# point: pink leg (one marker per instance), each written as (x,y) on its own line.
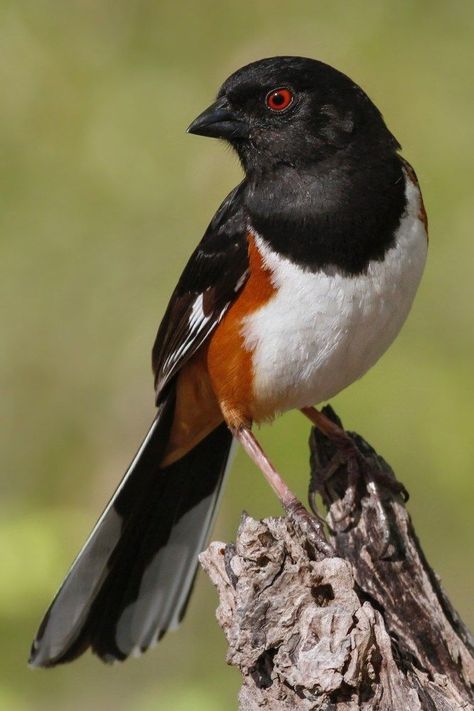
(373,474)
(311,527)
(345,445)
(256,453)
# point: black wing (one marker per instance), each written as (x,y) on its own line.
(216,271)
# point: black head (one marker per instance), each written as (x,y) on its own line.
(294,111)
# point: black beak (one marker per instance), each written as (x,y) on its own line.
(219,121)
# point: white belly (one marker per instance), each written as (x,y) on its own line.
(322,330)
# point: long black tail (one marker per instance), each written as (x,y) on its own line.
(132,580)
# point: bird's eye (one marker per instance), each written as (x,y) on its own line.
(279,99)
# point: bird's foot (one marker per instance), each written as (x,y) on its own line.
(310,526)
(359,467)
(347,470)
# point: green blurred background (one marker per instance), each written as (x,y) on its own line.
(103,198)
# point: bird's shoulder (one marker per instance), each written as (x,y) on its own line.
(210,281)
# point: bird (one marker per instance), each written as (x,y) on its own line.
(302,280)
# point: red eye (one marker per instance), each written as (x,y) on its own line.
(279,99)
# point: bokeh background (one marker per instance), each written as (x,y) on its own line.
(103,197)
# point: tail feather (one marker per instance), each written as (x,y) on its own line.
(151,581)
(131,581)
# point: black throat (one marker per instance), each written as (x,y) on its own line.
(341,213)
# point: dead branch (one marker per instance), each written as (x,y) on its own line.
(369,628)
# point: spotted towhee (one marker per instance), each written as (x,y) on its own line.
(302,280)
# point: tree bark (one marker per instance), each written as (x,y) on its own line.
(366,628)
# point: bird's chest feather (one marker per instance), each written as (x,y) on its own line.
(322,330)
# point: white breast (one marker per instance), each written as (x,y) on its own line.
(322,330)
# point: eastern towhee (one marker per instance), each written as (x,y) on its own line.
(302,280)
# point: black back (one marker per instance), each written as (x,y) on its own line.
(215,272)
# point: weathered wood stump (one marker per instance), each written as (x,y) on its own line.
(367,628)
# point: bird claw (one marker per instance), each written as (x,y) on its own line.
(367,476)
(311,527)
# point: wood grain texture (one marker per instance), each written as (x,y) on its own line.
(368,628)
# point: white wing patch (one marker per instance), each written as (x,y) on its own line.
(241,281)
(197,331)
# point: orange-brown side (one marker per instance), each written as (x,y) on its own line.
(229,363)
(422,212)
(216,383)
(197,411)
